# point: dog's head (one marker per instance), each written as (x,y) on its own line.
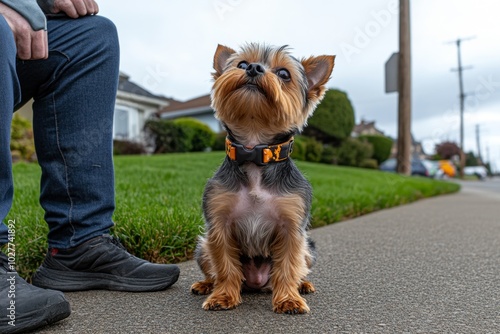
(262,91)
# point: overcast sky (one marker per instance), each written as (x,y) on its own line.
(167,47)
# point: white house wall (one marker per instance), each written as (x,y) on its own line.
(203,114)
(135,119)
(139,109)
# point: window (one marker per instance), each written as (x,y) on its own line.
(121,127)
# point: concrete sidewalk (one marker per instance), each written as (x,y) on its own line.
(428,267)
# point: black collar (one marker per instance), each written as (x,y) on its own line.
(260,155)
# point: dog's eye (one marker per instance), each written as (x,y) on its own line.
(283,74)
(243,65)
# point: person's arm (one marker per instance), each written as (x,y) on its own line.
(27,22)
(72,8)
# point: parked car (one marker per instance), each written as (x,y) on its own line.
(433,168)
(479,171)
(417,167)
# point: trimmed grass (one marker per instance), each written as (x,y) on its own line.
(158,214)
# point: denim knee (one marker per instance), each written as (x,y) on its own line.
(97,34)
(8,52)
(6,38)
(108,36)
(106,30)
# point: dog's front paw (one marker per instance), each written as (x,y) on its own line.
(221,302)
(202,287)
(306,287)
(291,306)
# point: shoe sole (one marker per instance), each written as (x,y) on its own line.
(40,318)
(79,281)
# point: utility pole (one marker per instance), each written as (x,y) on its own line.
(488,161)
(404,89)
(479,159)
(462,99)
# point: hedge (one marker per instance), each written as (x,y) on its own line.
(180,135)
(381,146)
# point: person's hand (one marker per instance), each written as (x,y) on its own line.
(30,44)
(76,8)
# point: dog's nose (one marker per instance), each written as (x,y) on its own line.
(255,70)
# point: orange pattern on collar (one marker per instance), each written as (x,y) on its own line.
(260,154)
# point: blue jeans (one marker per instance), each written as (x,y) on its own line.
(74,93)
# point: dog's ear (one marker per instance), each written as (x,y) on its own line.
(221,56)
(318,71)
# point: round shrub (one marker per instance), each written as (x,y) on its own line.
(369,163)
(333,120)
(381,147)
(220,141)
(22,144)
(328,155)
(126,147)
(299,148)
(200,135)
(307,149)
(167,136)
(314,149)
(352,152)
(180,135)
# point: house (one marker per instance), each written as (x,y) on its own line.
(417,151)
(366,128)
(133,106)
(199,108)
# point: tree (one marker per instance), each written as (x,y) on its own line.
(333,119)
(471,159)
(447,150)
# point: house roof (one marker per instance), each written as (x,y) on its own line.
(365,126)
(125,85)
(196,103)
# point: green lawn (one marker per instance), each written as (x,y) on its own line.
(158,215)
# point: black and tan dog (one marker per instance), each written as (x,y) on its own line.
(257,204)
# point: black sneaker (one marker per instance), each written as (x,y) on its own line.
(102,263)
(24,307)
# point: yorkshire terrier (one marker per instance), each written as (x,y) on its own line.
(257,205)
